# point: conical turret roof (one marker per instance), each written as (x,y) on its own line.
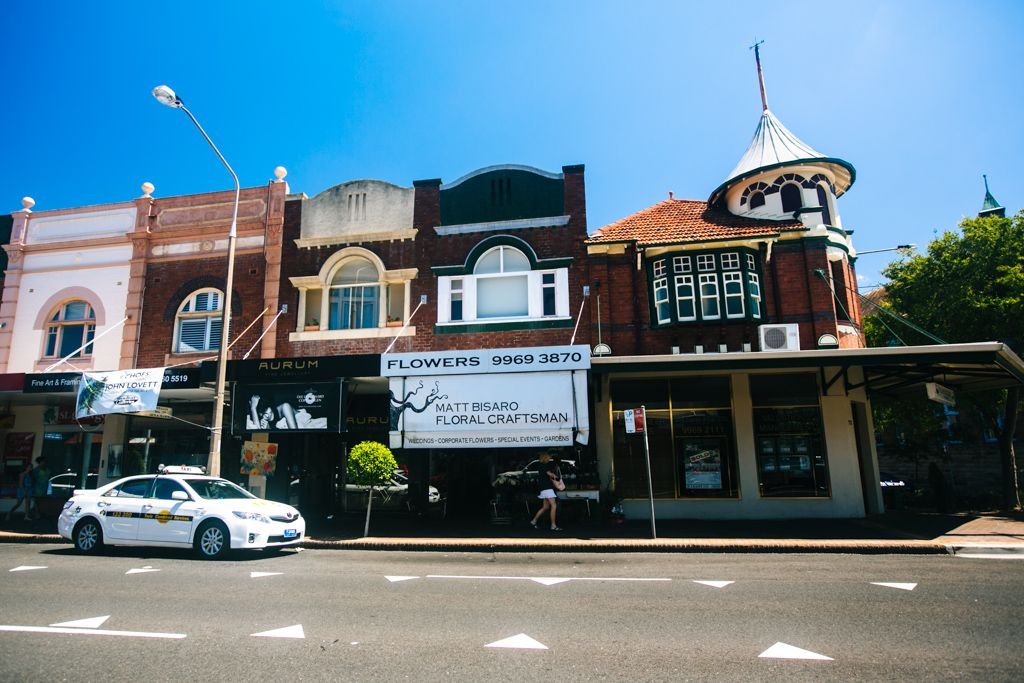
(774,146)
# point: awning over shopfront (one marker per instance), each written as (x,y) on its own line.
(887,371)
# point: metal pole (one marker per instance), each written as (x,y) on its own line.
(647,463)
(213,463)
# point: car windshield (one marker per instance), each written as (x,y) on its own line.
(217,489)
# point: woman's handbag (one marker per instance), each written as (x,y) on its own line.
(559,485)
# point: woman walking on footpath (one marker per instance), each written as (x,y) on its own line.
(549,474)
(24,492)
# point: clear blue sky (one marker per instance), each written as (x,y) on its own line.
(921,97)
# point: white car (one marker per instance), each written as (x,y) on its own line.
(394,493)
(178,508)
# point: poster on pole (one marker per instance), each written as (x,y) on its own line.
(634,420)
(118,391)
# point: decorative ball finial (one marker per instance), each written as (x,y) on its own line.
(147,189)
(28,203)
(280,172)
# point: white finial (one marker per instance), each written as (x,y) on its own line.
(28,203)
(280,172)
(147,189)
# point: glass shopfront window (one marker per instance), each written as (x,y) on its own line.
(789,435)
(690,436)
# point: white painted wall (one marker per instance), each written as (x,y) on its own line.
(50,229)
(103,271)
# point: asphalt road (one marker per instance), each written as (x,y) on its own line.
(350,615)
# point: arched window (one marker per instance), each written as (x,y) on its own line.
(826,215)
(199,322)
(70,327)
(791,200)
(354,301)
(502,283)
(756,200)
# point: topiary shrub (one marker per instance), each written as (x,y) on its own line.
(370,464)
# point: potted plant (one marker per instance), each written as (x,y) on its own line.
(370,464)
(313,325)
(394,322)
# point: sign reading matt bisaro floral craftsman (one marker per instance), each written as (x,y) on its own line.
(474,399)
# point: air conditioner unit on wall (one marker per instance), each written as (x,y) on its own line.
(784,337)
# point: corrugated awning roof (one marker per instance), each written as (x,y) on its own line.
(887,371)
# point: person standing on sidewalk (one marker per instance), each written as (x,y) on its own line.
(549,474)
(24,492)
(40,484)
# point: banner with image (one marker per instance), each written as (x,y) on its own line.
(530,409)
(309,407)
(118,391)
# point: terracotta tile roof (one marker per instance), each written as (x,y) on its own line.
(686,220)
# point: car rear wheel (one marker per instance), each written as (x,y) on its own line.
(88,536)
(212,541)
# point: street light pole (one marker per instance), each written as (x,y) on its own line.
(166,96)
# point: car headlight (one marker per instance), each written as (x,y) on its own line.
(254,516)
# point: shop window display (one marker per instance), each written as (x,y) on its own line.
(788,432)
(690,436)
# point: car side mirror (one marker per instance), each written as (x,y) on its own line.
(179,495)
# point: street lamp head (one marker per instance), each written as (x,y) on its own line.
(165,95)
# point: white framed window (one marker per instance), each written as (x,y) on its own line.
(503,287)
(661,305)
(751,263)
(659,268)
(548,293)
(681,264)
(354,296)
(199,322)
(686,303)
(754,291)
(70,327)
(455,300)
(730,261)
(733,285)
(705,262)
(709,305)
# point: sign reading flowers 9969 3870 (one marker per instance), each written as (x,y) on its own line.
(532,397)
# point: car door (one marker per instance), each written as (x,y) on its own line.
(121,508)
(164,519)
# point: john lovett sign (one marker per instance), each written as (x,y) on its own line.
(491,398)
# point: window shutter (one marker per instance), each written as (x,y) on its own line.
(192,335)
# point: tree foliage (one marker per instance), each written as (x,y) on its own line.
(370,464)
(969,287)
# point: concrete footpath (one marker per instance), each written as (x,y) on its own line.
(897,532)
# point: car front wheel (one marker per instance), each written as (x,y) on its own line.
(212,541)
(88,536)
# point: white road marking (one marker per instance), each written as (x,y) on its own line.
(395,579)
(901,586)
(544,580)
(258,575)
(982,556)
(94,622)
(27,568)
(783,651)
(143,570)
(520,641)
(714,584)
(89,632)
(286,632)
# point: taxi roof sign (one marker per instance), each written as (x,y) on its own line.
(181,469)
